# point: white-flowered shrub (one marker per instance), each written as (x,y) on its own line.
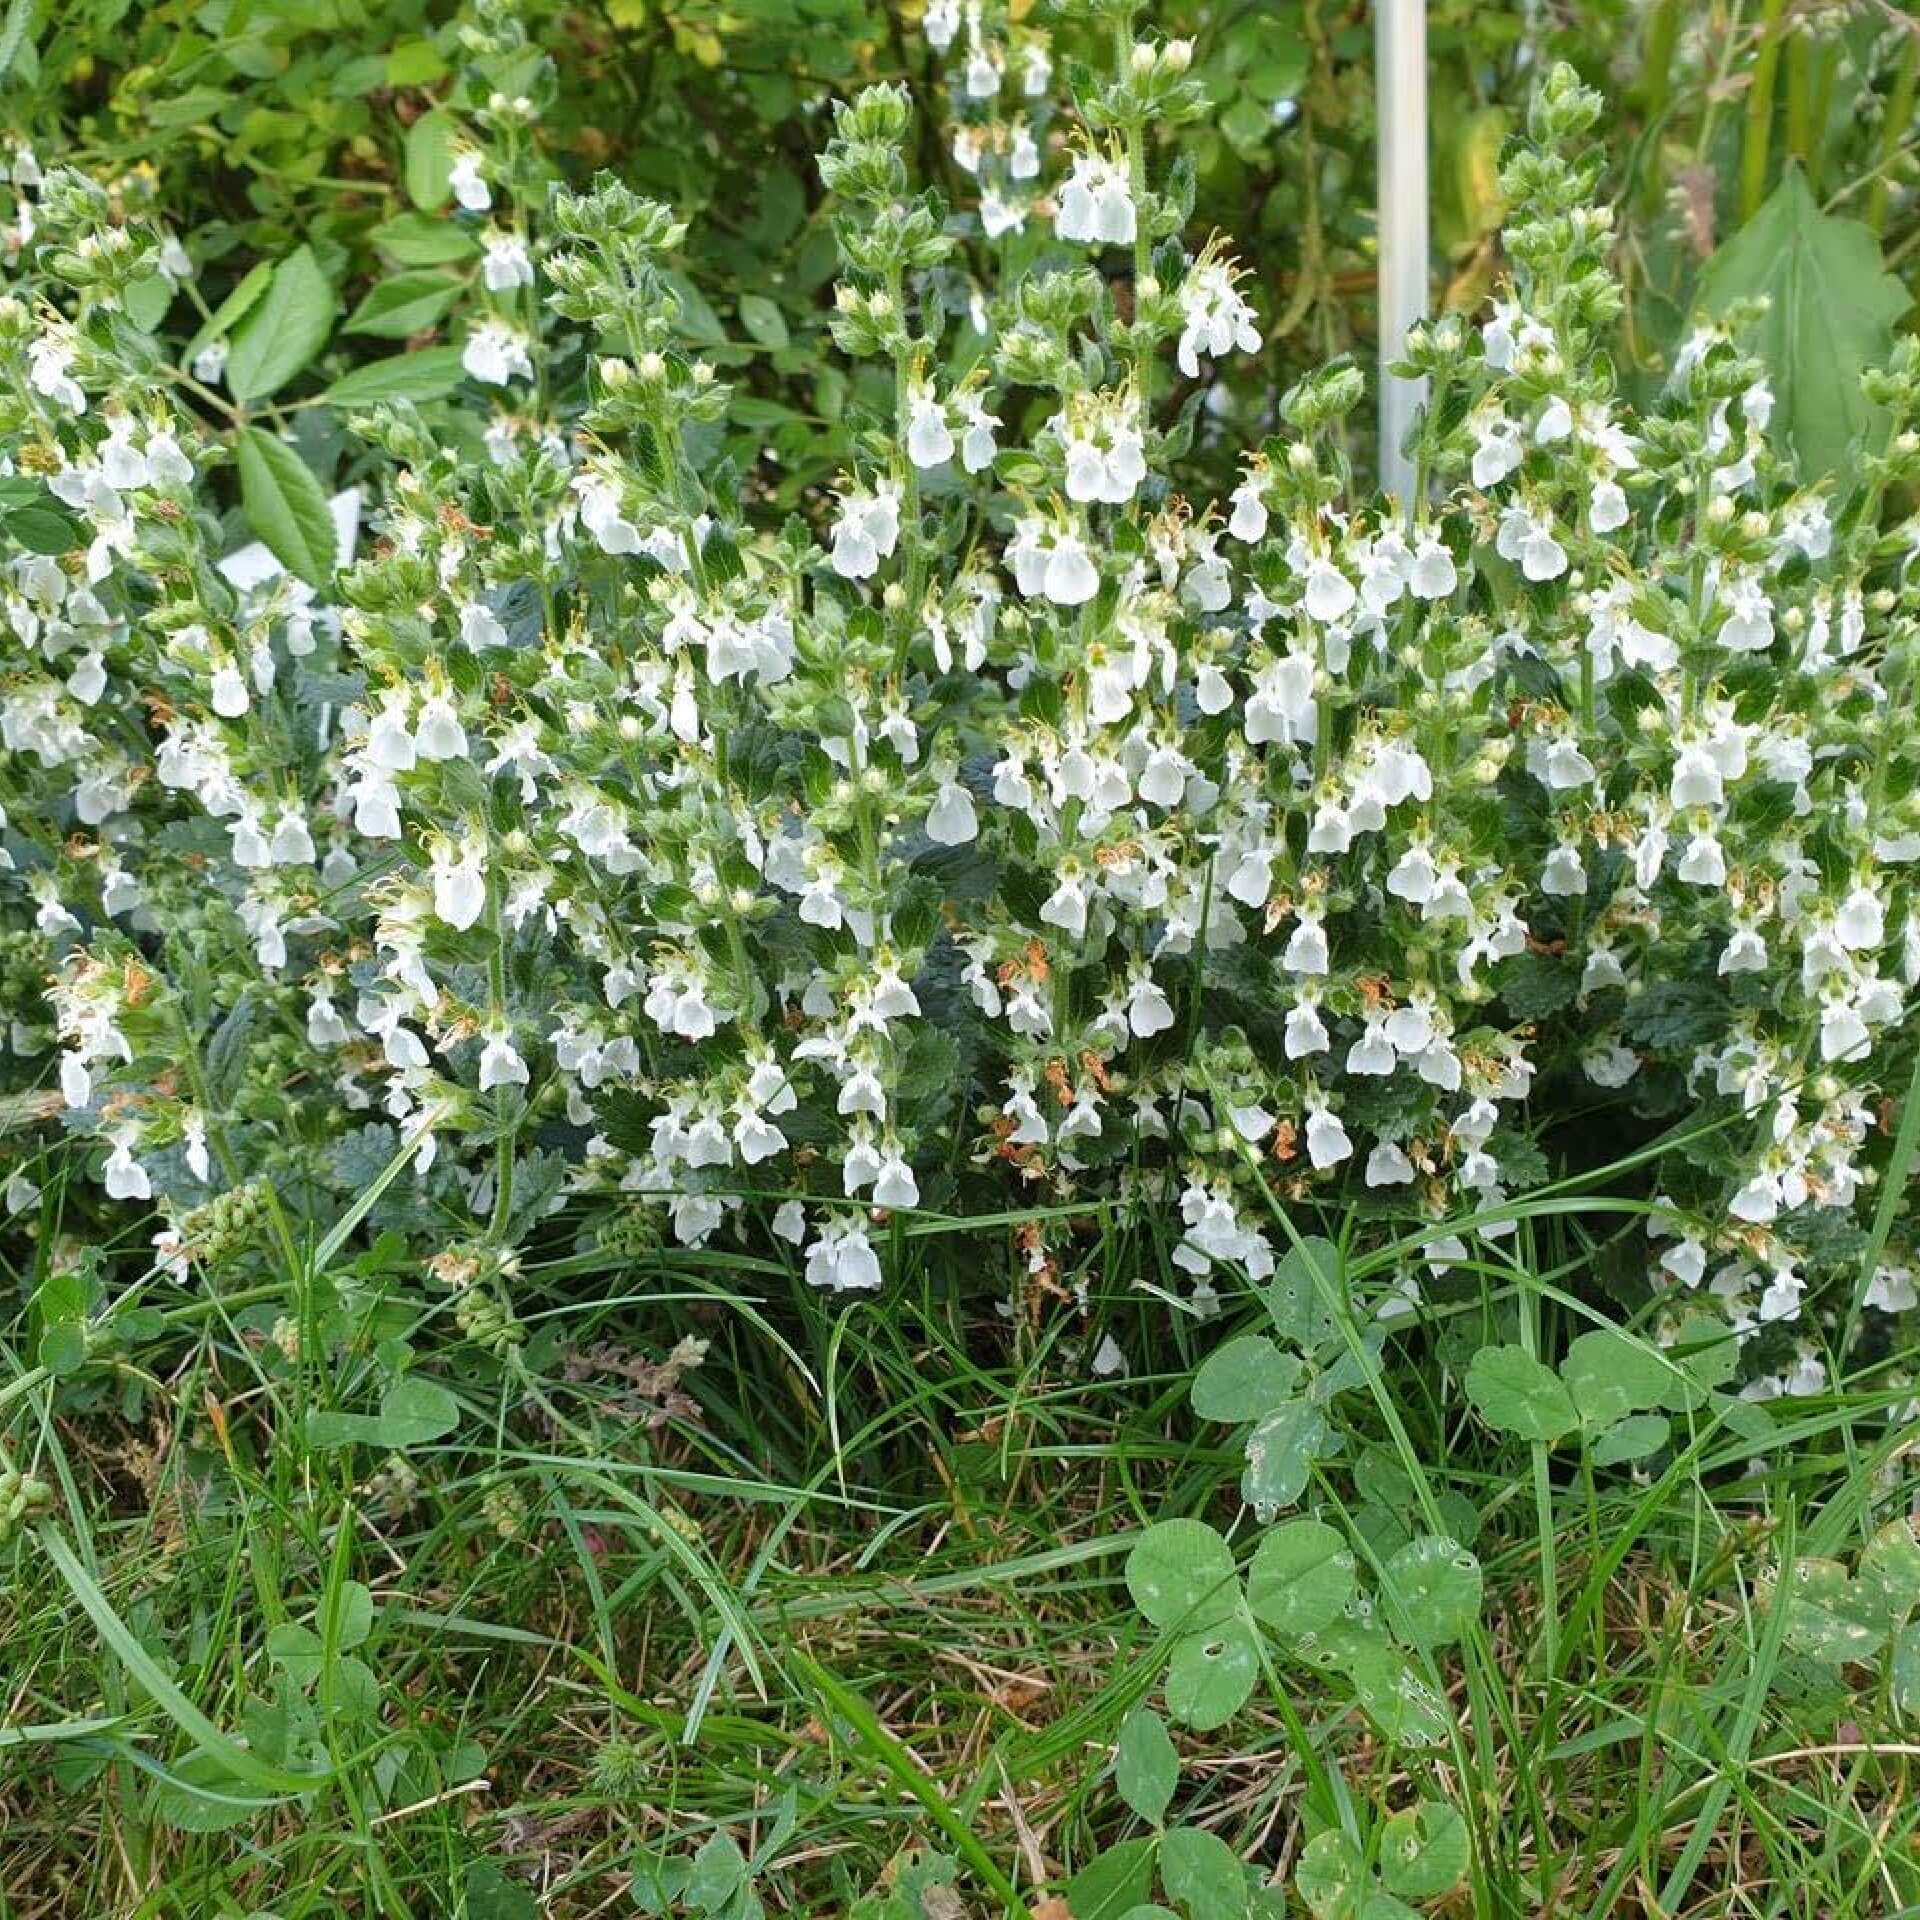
(1006,833)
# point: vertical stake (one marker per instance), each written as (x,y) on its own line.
(1400,103)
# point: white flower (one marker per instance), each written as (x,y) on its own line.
(952,821)
(48,359)
(866,531)
(1217,318)
(1071,579)
(1095,204)
(126,1178)
(842,1260)
(468,183)
(929,438)
(1528,538)
(496,354)
(500,1064)
(1330,594)
(1498,450)
(459,884)
(1327,1142)
(438,734)
(508,264)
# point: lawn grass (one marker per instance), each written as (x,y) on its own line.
(863,1594)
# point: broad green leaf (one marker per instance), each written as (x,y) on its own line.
(1705,1352)
(1432,1589)
(719,1872)
(1830,317)
(229,313)
(285,506)
(424,375)
(1243,1380)
(1829,1617)
(1202,1872)
(200,1795)
(45,528)
(764,322)
(1211,1674)
(1180,1574)
(1397,1700)
(412,1412)
(1515,1394)
(346,1618)
(432,142)
(1610,1375)
(1298,1303)
(148,301)
(409,303)
(1146,1768)
(1889,1573)
(63,1301)
(1281,1451)
(1903,1671)
(1423,1850)
(1331,1877)
(1301,1577)
(1112,1883)
(296,1650)
(423,240)
(1633,1438)
(283,330)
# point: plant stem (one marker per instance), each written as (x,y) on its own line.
(1758,134)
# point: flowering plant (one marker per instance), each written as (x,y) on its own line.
(1007,831)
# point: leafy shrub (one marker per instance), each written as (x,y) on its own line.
(997,830)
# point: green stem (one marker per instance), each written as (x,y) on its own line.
(1893,130)
(1758,135)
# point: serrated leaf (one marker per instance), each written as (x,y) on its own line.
(285,506)
(406,304)
(1513,1393)
(1180,1574)
(1244,1379)
(1301,1577)
(1281,1451)
(1633,1438)
(1211,1675)
(1832,305)
(425,375)
(1432,1589)
(1423,1850)
(283,331)
(1146,1769)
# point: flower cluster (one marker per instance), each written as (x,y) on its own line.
(1008,830)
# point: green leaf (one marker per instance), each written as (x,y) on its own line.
(63,1301)
(282,331)
(1889,1572)
(1112,1883)
(1297,1301)
(285,506)
(423,240)
(1330,1876)
(1903,1671)
(1515,1394)
(1432,1590)
(1201,1871)
(412,1412)
(1281,1451)
(346,1617)
(492,1896)
(1829,1617)
(1705,1352)
(1211,1674)
(432,141)
(1423,1850)
(764,322)
(408,303)
(1831,314)
(1610,1374)
(228,314)
(1301,1577)
(1146,1768)
(425,375)
(1397,1700)
(1633,1438)
(1180,1574)
(1243,1379)
(45,528)
(297,1651)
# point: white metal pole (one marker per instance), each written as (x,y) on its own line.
(1400,101)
